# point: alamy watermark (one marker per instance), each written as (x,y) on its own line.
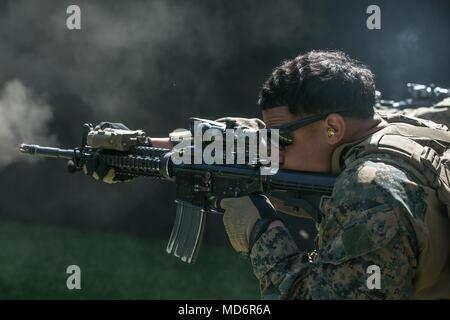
(374,280)
(74,280)
(373,22)
(229,146)
(73,21)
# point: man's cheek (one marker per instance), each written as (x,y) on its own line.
(292,161)
(281,157)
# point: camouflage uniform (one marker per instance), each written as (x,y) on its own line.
(375,216)
(372,218)
(364,223)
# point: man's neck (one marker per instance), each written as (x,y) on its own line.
(359,129)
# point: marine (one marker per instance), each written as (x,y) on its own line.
(389,206)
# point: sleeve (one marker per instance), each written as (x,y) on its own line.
(367,247)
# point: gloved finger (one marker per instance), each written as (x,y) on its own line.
(90,166)
(239,213)
(102,170)
(109,177)
(234,227)
(229,203)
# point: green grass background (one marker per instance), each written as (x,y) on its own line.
(34,258)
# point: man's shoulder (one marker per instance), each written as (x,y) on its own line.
(371,201)
(376,180)
(374,169)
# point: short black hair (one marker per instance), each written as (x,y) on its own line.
(319,82)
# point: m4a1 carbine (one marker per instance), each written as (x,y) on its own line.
(199,187)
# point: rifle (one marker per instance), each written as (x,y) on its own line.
(420,95)
(199,187)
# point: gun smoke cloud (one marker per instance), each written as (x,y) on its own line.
(153,64)
(24,116)
(132,58)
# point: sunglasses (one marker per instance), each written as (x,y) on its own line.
(285,130)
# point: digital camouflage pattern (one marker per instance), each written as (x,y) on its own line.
(371,218)
(367,221)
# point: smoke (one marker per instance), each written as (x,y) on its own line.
(153,64)
(23,117)
(147,64)
(139,55)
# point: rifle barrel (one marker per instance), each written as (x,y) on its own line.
(36,150)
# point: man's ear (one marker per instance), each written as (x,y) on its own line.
(335,128)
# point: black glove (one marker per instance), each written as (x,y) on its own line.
(100,171)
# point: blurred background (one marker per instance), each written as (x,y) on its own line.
(151,65)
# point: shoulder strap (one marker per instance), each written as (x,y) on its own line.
(399,140)
(337,156)
(416,132)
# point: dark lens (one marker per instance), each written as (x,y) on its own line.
(285,139)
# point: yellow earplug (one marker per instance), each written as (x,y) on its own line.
(330,131)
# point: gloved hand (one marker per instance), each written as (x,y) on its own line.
(100,171)
(246,219)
